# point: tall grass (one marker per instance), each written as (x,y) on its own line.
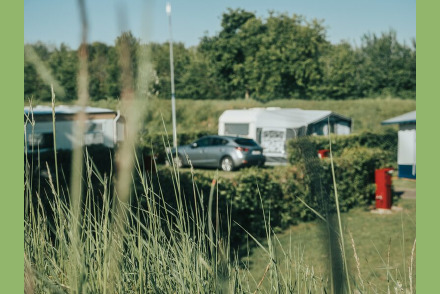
(162,249)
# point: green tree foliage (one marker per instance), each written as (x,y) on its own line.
(64,65)
(388,67)
(287,62)
(341,74)
(279,57)
(127,48)
(227,54)
(100,62)
(161,62)
(195,81)
(276,58)
(34,87)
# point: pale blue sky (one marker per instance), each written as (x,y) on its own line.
(57,21)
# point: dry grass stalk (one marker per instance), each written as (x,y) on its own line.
(341,235)
(264,276)
(76,268)
(358,263)
(411,267)
(29,278)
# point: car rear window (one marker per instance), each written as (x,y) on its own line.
(245,142)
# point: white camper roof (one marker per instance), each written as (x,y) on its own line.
(64,109)
(276,117)
(406,118)
(240,115)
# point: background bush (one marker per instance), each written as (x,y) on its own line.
(241,197)
(385,140)
(238,198)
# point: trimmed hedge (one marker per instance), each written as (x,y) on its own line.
(354,175)
(386,141)
(238,197)
(243,195)
(355,159)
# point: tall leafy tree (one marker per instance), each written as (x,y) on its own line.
(160,55)
(64,65)
(226,54)
(278,58)
(287,62)
(281,56)
(389,68)
(113,73)
(34,87)
(341,75)
(99,63)
(195,81)
(127,48)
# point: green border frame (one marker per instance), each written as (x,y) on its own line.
(428,201)
(11,171)
(11,209)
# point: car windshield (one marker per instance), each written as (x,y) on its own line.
(245,142)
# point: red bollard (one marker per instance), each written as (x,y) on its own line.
(323,153)
(384,196)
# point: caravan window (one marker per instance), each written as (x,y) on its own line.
(236,129)
(290,133)
(259,130)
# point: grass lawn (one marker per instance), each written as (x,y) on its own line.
(401,183)
(382,241)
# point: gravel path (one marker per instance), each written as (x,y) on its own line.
(407,193)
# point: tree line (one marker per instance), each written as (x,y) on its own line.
(278,57)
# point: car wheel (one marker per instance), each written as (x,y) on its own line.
(227,164)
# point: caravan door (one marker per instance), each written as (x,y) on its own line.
(273,141)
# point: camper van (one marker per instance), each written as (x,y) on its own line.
(272,127)
(104,127)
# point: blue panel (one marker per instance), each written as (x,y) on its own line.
(406,171)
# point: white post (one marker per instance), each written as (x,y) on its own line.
(173,95)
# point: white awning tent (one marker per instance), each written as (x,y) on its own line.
(271,127)
(406,149)
(102,127)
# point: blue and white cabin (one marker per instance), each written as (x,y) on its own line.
(103,127)
(406,149)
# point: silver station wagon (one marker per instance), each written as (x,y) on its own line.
(224,152)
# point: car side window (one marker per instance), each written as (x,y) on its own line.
(219,141)
(216,141)
(203,142)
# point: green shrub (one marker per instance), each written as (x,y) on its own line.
(285,193)
(386,140)
(354,175)
(355,159)
(238,199)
